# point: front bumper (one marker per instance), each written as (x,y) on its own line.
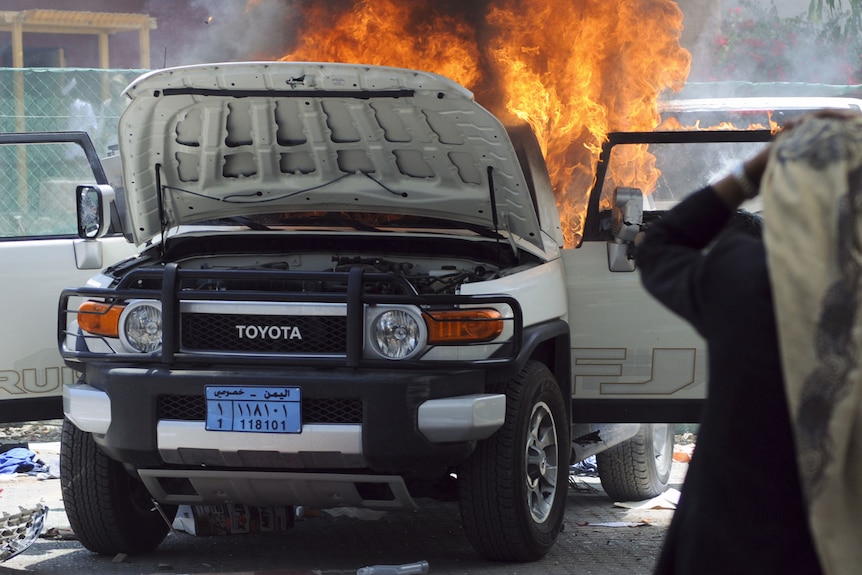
(410,423)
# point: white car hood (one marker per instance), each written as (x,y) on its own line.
(224,140)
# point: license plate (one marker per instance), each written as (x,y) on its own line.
(253,409)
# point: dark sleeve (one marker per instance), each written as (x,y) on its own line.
(670,257)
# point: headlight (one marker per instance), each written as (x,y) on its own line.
(397,334)
(141,326)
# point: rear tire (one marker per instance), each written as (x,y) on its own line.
(512,490)
(109,510)
(638,468)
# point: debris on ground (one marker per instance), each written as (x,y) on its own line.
(667,500)
(614,524)
(20,530)
(683,453)
(37,431)
(418,568)
(19,460)
(356,513)
(59,534)
(232,518)
(585,468)
(580,485)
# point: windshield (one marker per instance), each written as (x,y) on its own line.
(38,187)
(666,167)
(680,169)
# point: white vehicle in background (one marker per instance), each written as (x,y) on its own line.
(41,254)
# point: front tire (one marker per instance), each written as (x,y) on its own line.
(109,510)
(512,490)
(638,468)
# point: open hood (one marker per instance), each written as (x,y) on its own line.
(223,140)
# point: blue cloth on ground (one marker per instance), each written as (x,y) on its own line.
(17,460)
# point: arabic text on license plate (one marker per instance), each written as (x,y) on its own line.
(254,409)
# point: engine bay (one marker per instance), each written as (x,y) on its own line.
(419,275)
(320,263)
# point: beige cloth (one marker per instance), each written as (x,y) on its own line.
(812,205)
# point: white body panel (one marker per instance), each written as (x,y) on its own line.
(625,345)
(33,273)
(539,290)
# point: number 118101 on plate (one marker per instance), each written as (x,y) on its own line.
(253,409)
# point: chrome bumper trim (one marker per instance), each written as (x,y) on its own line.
(87,407)
(271,488)
(465,418)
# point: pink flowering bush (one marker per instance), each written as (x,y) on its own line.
(757,45)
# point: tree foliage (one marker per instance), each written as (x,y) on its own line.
(844,27)
(755,44)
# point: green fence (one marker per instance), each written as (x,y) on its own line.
(59,99)
(37,188)
(37,181)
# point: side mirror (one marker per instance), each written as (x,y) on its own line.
(93,204)
(627,216)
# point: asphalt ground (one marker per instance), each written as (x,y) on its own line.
(324,544)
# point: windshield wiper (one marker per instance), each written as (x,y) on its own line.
(248,222)
(429,222)
(329,220)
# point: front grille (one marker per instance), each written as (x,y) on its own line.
(324,334)
(183,407)
(314,410)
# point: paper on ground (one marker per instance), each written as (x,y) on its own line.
(615,524)
(667,500)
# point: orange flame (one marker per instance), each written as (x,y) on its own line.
(573,69)
(674,124)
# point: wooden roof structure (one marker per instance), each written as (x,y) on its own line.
(101,24)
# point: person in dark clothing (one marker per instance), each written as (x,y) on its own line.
(742,508)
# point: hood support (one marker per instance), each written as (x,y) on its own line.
(163,218)
(493,196)
(492,192)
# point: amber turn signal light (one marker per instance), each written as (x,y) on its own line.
(463,325)
(100,318)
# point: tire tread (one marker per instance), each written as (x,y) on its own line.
(97,497)
(627,472)
(490,517)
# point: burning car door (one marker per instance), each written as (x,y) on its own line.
(42,254)
(633,360)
